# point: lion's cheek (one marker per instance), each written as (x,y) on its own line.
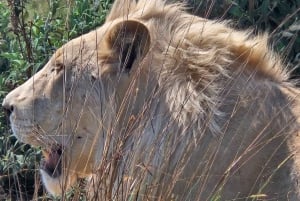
(55,186)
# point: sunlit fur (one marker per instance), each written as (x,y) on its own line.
(205,111)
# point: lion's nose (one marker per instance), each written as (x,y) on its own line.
(8,108)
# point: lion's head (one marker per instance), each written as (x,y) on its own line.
(77,96)
(156,96)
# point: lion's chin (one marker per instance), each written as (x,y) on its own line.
(53,185)
(57,185)
(56,179)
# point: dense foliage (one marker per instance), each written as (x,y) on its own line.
(30,32)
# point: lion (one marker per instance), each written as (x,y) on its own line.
(158,104)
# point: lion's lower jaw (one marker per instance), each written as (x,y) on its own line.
(58,185)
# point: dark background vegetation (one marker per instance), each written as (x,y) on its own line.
(30,31)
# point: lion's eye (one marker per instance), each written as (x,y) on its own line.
(58,67)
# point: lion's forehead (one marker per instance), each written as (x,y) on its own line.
(82,50)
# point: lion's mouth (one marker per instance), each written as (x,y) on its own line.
(52,161)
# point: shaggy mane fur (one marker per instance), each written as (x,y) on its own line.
(213,37)
(197,52)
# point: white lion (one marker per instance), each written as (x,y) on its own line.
(158,104)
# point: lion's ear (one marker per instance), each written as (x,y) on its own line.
(130,40)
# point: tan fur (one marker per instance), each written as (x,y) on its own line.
(194,110)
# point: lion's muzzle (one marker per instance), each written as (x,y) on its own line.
(8,109)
